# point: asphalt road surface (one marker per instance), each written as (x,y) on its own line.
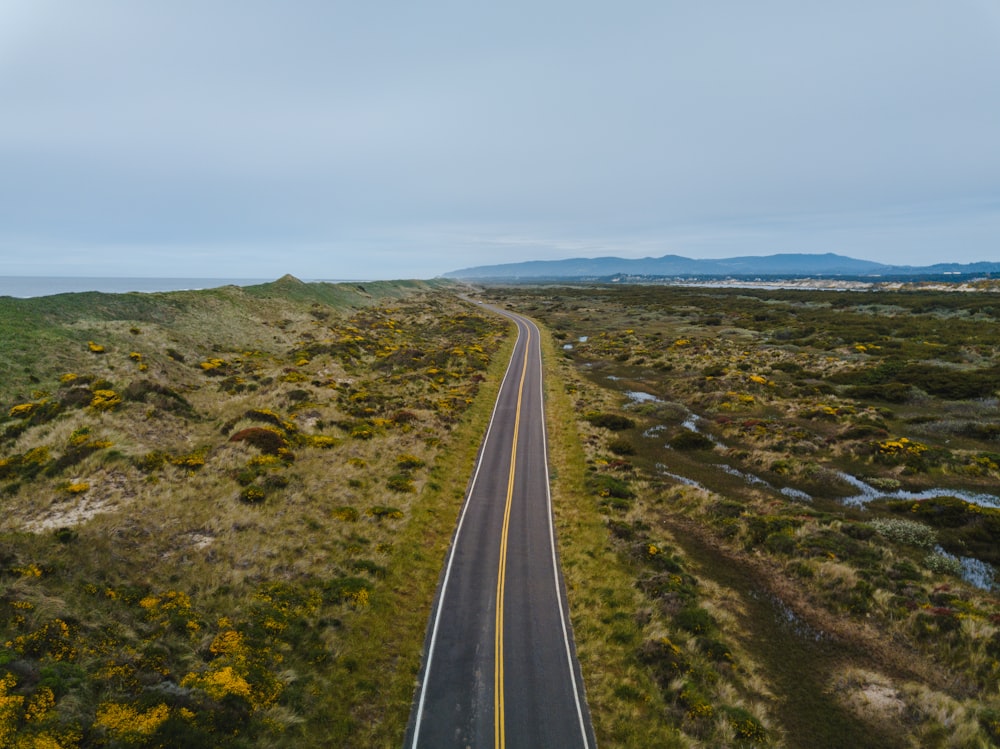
(500,667)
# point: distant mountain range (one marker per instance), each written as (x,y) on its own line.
(786,265)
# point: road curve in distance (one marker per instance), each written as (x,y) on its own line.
(500,666)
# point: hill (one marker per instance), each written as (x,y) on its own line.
(781,265)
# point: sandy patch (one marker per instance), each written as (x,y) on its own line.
(70,513)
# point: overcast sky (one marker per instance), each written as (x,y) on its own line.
(391,139)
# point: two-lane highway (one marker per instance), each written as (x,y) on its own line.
(500,666)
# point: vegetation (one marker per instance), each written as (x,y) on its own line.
(803,514)
(225,511)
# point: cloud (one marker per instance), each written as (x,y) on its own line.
(327,126)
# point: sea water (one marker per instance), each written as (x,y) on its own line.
(32,286)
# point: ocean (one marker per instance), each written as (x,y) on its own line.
(31,286)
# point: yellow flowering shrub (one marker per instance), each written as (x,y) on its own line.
(128,723)
(105,400)
(901,446)
(10,710)
(77,487)
(53,639)
(323,442)
(95,348)
(212,364)
(171,610)
(39,705)
(29,570)
(22,410)
(229,642)
(219,683)
(191,461)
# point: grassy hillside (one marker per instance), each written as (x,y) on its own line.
(224,511)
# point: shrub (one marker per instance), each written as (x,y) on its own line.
(105,400)
(252,494)
(621,447)
(362,432)
(400,482)
(745,725)
(665,658)
(379,512)
(65,535)
(696,703)
(191,461)
(609,486)
(347,514)
(151,461)
(694,619)
(688,440)
(892,392)
(409,462)
(347,590)
(905,531)
(943,564)
(158,395)
(614,422)
(268,441)
(715,650)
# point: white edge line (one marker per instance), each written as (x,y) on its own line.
(454,546)
(555,561)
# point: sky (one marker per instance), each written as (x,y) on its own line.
(401,139)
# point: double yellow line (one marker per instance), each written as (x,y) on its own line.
(498,707)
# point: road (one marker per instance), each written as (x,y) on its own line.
(500,667)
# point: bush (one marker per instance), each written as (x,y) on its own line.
(252,495)
(614,422)
(688,440)
(746,726)
(665,659)
(268,441)
(609,486)
(409,462)
(904,531)
(695,620)
(892,392)
(400,482)
(621,447)
(158,395)
(943,564)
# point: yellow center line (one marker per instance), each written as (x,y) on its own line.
(498,707)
